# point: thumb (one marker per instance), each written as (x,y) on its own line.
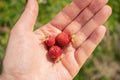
(28,18)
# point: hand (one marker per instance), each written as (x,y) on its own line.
(26,56)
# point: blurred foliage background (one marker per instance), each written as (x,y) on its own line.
(104,64)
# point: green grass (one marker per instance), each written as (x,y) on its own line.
(106,58)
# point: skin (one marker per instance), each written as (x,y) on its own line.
(26,56)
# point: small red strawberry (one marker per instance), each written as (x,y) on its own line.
(50,41)
(55,52)
(63,39)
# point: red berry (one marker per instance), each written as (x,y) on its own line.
(63,39)
(50,41)
(55,52)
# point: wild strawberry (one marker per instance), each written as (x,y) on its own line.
(50,41)
(63,39)
(55,52)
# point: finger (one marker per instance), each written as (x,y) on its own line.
(85,50)
(69,13)
(89,27)
(28,18)
(85,16)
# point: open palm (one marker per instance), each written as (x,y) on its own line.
(26,55)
